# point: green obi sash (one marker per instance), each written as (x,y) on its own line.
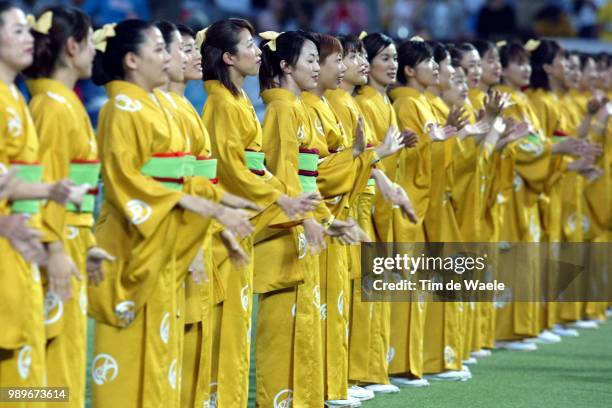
(308,161)
(167,168)
(255,162)
(207,168)
(85,172)
(189,165)
(30,173)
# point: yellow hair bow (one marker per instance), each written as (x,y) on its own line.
(43,24)
(101,35)
(531,45)
(500,44)
(271,36)
(417,38)
(362,35)
(201,37)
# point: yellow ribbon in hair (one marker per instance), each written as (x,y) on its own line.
(101,35)
(501,44)
(531,45)
(43,24)
(271,36)
(201,37)
(362,35)
(417,38)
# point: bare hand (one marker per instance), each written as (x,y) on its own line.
(391,144)
(234,201)
(236,253)
(60,270)
(359,144)
(7,180)
(61,191)
(301,204)
(409,139)
(438,134)
(237,221)
(23,238)
(95,257)
(314,233)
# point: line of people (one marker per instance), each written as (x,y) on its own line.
(362,140)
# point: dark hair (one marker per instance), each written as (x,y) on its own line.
(185,30)
(129,36)
(440,53)
(483,46)
(350,43)
(221,37)
(327,45)
(4,7)
(411,53)
(584,58)
(457,51)
(545,54)
(167,29)
(67,22)
(513,52)
(374,44)
(288,48)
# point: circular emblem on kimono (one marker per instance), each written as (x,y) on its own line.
(83,299)
(301,245)
(319,126)
(316,296)
(24,361)
(54,308)
(71,232)
(139,211)
(341,302)
(283,399)
(172,374)
(517,182)
(104,368)
(571,223)
(449,355)
(293,310)
(500,198)
(126,312)
(164,328)
(300,133)
(390,354)
(14,125)
(244,297)
(323,311)
(125,103)
(212,400)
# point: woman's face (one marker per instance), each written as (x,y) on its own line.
(589,74)
(517,73)
(427,73)
(446,72)
(357,68)
(558,67)
(305,73)
(573,74)
(332,71)
(83,59)
(457,93)
(247,58)
(471,63)
(16,41)
(491,68)
(383,68)
(152,60)
(176,68)
(193,59)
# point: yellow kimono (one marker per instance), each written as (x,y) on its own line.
(22,338)
(414,175)
(136,361)
(529,161)
(288,345)
(340,177)
(196,344)
(444,322)
(236,142)
(68,149)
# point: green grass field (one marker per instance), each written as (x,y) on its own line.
(573,374)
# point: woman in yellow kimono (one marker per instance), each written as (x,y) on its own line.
(135,362)
(22,343)
(230,55)
(63,54)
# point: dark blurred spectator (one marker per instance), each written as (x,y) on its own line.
(496,19)
(604,18)
(112,11)
(445,19)
(234,7)
(552,21)
(342,17)
(585,18)
(399,16)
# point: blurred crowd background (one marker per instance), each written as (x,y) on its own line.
(443,20)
